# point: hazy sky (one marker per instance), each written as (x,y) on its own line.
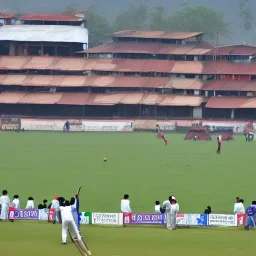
(110,8)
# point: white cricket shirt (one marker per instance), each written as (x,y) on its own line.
(5,200)
(239,208)
(30,204)
(55,204)
(66,212)
(16,203)
(157,209)
(125,205)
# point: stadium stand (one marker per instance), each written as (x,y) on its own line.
(142,74)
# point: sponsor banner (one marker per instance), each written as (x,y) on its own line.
(107,218)
(24,214)
(224,220)
(183,125)
(85,218)
(77,125)
(143,218)
(196,219)
(241,219)
(215,126)
(180,219)
(10,124)
(110,126)
(43,214)
(167,126)
(191,220)
(160,219)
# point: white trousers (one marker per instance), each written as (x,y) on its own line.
(70,225)
(4,211)
(171,219)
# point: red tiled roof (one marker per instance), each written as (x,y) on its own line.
(223,85)
(100,99)
(50,17)
(182,100)
(101,81)
(226,67)
(156,34)
(226,102)
(41,98)
(74,99)
(127,65)
(7,15)
(235,50)
(152,48)
(11,97)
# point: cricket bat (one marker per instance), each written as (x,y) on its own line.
(78,191)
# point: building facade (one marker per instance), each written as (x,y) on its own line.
(43,34)
(142,74)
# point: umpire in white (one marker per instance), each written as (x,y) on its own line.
(172,208)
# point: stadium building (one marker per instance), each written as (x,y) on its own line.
(141,74)
(43,34)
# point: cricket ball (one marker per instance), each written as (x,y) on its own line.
(105,159)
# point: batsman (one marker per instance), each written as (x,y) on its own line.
(70,225)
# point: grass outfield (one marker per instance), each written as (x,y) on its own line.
(44,164)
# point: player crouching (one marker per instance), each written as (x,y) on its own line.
(160,134)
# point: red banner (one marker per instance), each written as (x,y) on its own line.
(241,219)
(11,213)
(51,215)
(127,218)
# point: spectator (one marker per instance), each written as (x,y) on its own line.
(56,206)
(239,207)
(30,203)
(5,204)
(157,207)
(62,201)
(208,210)
(236,204)
(125,204)
(16,202)
(45,204)
(40,207)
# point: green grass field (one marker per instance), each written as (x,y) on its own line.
(44,164)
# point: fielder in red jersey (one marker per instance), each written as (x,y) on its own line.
(160,134)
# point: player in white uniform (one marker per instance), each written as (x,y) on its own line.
(172,208)
(68,224)
(5,203)
(16,202)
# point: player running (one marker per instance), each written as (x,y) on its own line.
(219,140)
(160,134)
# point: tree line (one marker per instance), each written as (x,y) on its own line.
(138,16)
